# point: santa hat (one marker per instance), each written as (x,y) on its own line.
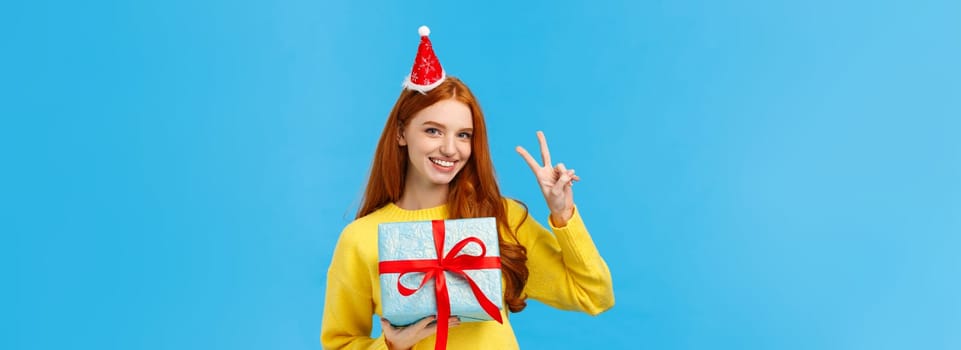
(427,72)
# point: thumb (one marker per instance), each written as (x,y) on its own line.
(563,180)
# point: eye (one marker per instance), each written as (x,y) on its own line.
(465,135)
(432,131)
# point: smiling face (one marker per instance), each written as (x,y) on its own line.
(438,142)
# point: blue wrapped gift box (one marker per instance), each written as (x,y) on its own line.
(405,241)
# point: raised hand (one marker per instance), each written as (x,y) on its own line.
(555,181)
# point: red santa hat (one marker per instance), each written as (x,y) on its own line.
(427,72)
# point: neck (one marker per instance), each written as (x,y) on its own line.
(422,195)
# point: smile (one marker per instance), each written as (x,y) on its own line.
(443,163)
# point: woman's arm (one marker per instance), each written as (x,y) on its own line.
(565,269)
(348,305)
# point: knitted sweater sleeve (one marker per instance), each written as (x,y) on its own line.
(348,304)
(565,269)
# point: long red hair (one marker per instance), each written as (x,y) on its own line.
(473,192)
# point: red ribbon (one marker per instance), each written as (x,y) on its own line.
(435,268)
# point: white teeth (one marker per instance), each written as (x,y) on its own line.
(442,163)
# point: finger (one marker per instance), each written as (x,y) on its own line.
(545,153)
(429,327)
(557,172)
(560,170)
(424,323)
(563,181)
(528,158)
(384,324)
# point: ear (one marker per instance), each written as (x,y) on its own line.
(401,140)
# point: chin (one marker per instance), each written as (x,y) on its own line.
(445,179)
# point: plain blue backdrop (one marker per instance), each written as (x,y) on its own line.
(758,174)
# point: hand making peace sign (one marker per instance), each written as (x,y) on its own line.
(555,182)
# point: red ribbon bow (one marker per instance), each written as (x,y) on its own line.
(435,268)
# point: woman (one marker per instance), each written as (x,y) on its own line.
(432,162)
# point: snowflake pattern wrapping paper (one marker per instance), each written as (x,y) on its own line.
(406,242)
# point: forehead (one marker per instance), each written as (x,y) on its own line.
(450,113)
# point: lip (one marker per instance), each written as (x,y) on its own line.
(441,167)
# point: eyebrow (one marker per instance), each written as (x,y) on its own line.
(442,126)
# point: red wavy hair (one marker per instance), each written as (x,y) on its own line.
(473,192)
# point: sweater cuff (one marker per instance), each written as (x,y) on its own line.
(573,222)
(575,239)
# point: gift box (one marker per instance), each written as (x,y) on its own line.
(462,254)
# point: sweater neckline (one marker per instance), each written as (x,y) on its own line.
(438,212)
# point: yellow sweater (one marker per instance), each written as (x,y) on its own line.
(566,272)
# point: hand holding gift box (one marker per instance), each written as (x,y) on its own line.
(440,267)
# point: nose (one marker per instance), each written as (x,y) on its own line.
(448,148)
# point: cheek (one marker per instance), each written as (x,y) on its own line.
(414,152)
(416,146)
(466,150)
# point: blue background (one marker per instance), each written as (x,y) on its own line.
(758,174)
